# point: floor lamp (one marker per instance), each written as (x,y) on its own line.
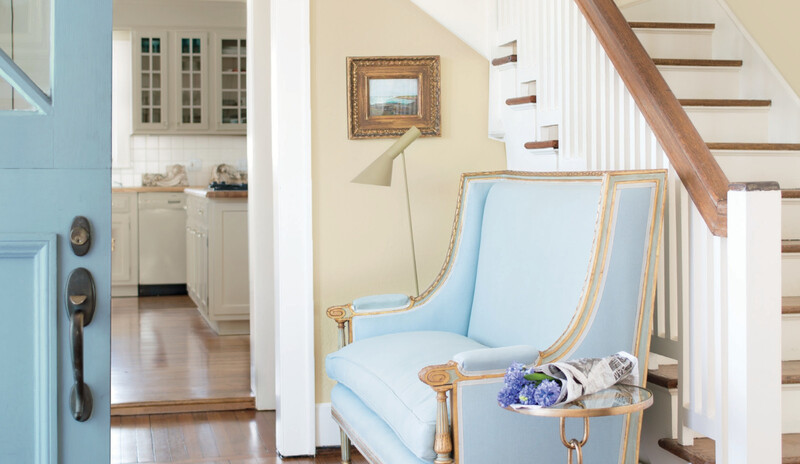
(380,173)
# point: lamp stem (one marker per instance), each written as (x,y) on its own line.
(410,225)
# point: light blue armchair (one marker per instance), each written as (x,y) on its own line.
(541,267)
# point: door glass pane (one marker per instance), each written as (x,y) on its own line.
(25,38)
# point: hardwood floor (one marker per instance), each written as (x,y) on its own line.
(163,351)
(229,437)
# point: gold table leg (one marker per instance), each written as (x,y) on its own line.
(574,444)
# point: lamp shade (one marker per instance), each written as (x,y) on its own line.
(379,172)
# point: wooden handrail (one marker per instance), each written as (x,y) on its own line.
(688,153)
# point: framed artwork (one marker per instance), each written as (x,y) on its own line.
(386,95)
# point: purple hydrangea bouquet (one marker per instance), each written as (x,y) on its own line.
(524,386)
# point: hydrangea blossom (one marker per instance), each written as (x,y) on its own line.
(546,393)
(528,394)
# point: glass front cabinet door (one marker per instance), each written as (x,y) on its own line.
(192,80)
(150,82)
(231,88)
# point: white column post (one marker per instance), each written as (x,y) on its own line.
(259,211)
(293,250)
(754,325)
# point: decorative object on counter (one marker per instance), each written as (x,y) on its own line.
(380,173)
(225,186)
(176,175)
(227,174)
(388,95)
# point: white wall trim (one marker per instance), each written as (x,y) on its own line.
(259,211)
(327,429)
(290,44)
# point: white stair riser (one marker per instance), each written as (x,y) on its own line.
(790,274)
(730,124)
(790,404)
(660,421)
(790,219)
(702,81)
(790,341)
(779,166)
(676,43)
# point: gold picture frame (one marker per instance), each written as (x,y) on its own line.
(386,95)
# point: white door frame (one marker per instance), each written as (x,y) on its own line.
(281,247)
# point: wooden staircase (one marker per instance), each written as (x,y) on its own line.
(736,131)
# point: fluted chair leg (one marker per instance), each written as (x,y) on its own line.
(345,448)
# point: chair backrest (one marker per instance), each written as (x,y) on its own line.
(560,253)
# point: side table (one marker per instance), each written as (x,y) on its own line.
(613,401)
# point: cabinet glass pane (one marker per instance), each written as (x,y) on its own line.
(230,116)
(156,63)
(186,81)
(243,47)
(185,46)
(229,65)
(186,118)
(230,98)
(243,64)
(195,63)
(156,98)
(145,45)
(156,115)
(230,47)
(243,118)
(243,99)
(145,98)
(145,63)
(157,80)
(230,82)
(196,98)
(195,45)
(185,63)
(186,101)
(145,115)
(145,80)
(150,84)
(196,115)
(156,45)
(196,80)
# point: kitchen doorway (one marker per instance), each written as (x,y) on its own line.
(180,285)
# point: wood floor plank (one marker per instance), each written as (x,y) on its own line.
(144,439)
(159,429)
(177,445)
(127,437)
(205,434)
(116,444)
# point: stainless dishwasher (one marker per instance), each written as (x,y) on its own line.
(162,243)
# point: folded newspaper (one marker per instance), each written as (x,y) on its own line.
(585,376)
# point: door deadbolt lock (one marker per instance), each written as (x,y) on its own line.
(80,236)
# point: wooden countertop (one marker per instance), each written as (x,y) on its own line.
(179,188)
(206,193)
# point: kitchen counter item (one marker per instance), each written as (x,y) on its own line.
(162,243)
(208,193)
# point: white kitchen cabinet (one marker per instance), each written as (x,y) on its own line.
(189,82)
(124,244)
(217,261)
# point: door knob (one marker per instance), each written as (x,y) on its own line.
(81,300)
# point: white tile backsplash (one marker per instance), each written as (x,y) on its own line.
(153,153)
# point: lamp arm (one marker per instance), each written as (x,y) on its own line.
(410,223)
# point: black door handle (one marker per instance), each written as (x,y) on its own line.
(80,302)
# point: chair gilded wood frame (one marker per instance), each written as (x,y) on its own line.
(541,267)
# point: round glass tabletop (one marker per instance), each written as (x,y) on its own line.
(616,400)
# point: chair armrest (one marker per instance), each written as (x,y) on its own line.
(385,302)
(475,362)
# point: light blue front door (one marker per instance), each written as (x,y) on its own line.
(55,162)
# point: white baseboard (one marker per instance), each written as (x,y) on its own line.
(327,428)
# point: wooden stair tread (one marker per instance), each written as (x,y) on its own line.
(724,102)
(790,246)
(666,25)
(521,100)
(665,376)
(504,59)
(790,305)
(542,144)
(696,62)
(754,146)
(790,193)
(703,450)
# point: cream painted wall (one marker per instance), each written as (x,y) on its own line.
(772,23)
(361,242)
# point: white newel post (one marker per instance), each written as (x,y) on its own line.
(754,327)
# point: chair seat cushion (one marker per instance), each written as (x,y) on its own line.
(383,372)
